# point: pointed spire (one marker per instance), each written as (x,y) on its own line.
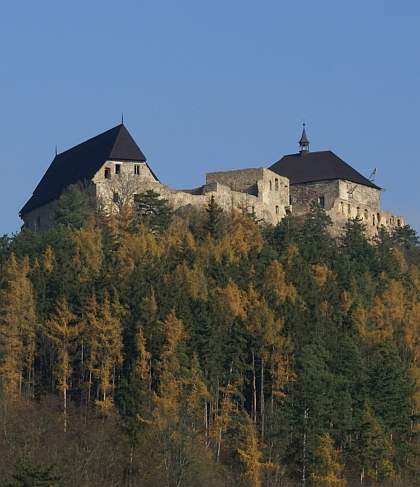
(304,142)
(122,118)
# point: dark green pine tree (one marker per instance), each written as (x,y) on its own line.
(316,244)
(385,246)
(309,406)
(407,242)
(154,210)
(279,237)
(357,254)
(213,223)
(73,208)
(391,391)
(28,476)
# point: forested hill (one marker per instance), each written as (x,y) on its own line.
(208,351)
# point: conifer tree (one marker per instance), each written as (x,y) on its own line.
(62,329)
(327,471)
(213,223)
(104,344)
(154,210)
(17,329)
(73,208)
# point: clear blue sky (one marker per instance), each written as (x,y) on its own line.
(212,85)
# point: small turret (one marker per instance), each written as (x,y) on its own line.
(303,142)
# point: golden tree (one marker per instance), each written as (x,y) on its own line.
(102,329)
(62,328)
(328,470)
(17,328)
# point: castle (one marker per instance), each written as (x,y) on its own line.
(116,169)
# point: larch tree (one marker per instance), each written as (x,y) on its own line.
(17,328)
(327,471)
(62,328)
(102,329)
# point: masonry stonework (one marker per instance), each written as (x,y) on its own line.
(344,200)
(266,193)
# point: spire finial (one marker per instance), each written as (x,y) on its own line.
(122,118)
(55,150)
(304,141)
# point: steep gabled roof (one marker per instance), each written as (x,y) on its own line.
(317,166)
(82,162)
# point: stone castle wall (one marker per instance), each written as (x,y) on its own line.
(258,191)
(41,219)
(342,201)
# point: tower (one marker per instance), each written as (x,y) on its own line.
(303,142)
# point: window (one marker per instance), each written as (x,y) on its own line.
(358,211)
(117,168)
(270,184)
(107,173)
(373,220)
(342,207)
(348,209)
(321,201)
(115,197)
(277,210)
(136,169)
(276,184)
(378,216)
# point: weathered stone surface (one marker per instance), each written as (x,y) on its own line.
(343,200)
(258,191)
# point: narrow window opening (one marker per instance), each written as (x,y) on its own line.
(348,209)
(379,218)
(321,201)
(107,173)
(277,210)
(342,207)
(115,197)
(373,220)
(270,184)
(137,169)
(117,168)
(276,184)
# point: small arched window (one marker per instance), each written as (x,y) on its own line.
(277,210)
(276,184)
(270,184)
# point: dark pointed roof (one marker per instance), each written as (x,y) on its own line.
(317,166)
(304,139)
(82,162)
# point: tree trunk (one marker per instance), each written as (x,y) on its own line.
(254,390)
(262,404)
